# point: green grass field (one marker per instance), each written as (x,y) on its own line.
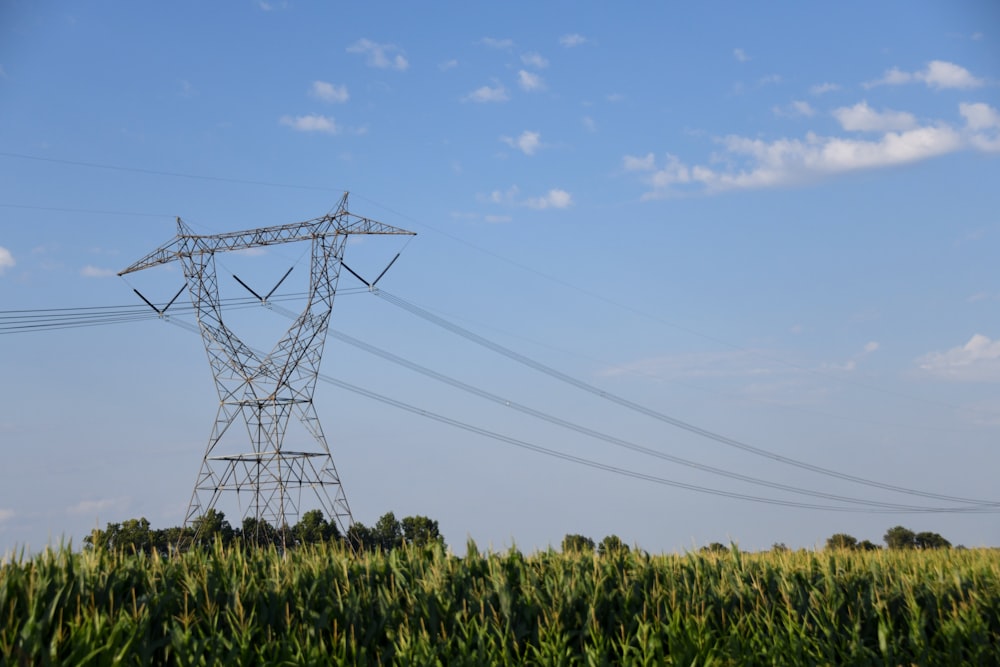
(423,607)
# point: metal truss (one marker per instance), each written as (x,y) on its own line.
(263,391)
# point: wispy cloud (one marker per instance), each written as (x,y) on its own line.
(530,81)
(795,109)
(938,74)
(752,163)
(589,124)
(976,361)
(486,94)
(448,64)
(528,142)
(740,55)
(553,199)
(329,92)
(534,60)
(6,260)
(382,56)
(93,507)
(311,123)
(824,88)
(499,44)
(863,118)
(6,514)
(90,271)
(571,40)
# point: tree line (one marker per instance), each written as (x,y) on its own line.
(312,528)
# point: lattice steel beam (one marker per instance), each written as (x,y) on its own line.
(263,391)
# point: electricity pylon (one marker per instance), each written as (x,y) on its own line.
(265,390)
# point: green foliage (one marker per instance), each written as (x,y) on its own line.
(612,545)
(577,544)
(389,534)
(898,537)
(842,541)
(324,604)
(715,548)
(421,531)
(927,540)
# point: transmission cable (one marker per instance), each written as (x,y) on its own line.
(578,459)
(649,412)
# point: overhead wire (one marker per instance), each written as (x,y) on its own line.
(548,277)
(655,414)
(590,463)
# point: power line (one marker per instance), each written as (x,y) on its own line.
(649,412)
(597,465)
(524,267)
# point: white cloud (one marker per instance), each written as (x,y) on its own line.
(756,163)
(644,163)
(589,124)
(938,74)
(508,196)
(797,108)
(534,60)
(311,123)
(487,94)
(871,346)
(93,507)
(982,123)
(976,361)
(979,116)
(329,92)
(527,143)
(448,64)
(823,88)
(740,55)
(552,199)
(493,43)
(6,515)
(530,81)
(382,56)
(96,272)
(6,260)
(571,40)
(862,117)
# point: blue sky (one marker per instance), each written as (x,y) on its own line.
(777,223)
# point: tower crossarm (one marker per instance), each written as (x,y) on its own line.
(186,244)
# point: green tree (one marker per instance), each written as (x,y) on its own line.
(103,539)
(388,532)
(898,537)
(361,537)
(715,547)
(259,533)
(577,543)
(611,545)
(927,540)
(842,541)
(129,535)
(868,545)
(313,528)
(210,526)
(421,531)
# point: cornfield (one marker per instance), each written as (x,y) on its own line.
(424,606)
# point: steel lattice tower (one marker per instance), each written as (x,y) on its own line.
(263,391)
